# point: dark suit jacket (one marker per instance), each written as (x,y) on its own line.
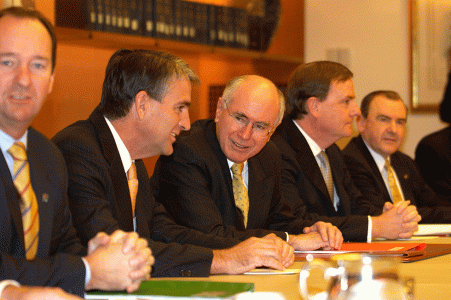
(58,259)
(195,186)
(369,180)
(100,201)
(433,156)
(304,187)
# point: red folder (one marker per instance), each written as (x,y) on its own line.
(404,250)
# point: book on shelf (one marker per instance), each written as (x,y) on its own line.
(212,25)
(178,289)
(164,19)
(136,17)
(188,15)
(201,23)
(108,9)
(178,19)
(241,29)
(149,18)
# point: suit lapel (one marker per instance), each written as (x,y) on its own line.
(403,175)
(232,214)
(259,189)
(117,173)
(45,193)
(12,199)
(360,144)
(305,158)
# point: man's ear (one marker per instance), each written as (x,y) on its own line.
(140,104)
(312,105)
(219,108)
(360,122)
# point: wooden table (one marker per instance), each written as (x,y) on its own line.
(432,277)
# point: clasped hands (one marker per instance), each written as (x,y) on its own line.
(120,261)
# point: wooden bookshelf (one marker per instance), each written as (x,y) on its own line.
(107,40)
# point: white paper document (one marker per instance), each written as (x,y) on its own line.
(433,229)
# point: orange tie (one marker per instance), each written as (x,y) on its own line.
(132,185)
(29,204)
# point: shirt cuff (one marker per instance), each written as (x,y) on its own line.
(370,230)
(5,283)
(288,237)
(88,272)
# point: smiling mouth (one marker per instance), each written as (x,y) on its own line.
(239,146)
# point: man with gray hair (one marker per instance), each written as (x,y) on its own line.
(144,107)
(224,175)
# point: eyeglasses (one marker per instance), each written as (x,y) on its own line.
(259,129)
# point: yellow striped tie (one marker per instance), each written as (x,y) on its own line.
(240,191)
(29,204)
(132,184)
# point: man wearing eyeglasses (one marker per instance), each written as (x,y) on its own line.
(224,175)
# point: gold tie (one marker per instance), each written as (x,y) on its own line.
(325,171)
(240,191)
(132,185)
(29,204)
(394,189)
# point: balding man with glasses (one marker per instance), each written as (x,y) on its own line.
(224,174)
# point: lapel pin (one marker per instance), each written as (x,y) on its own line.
(45,197)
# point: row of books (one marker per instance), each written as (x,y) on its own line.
(167,19)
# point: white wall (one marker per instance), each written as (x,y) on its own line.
(377,34)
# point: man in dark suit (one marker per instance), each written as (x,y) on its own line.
(433,152)
(38,242)
(315,179)
(196,183)
(144,107)
(376,165)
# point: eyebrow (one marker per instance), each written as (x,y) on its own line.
(186,103)
(263,123)
(12,54)
(384,116)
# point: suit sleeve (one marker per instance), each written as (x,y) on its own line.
(183,182)
(94,210)
(61,270)
(435,167)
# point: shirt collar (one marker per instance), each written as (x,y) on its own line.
(230,163)
(123,152)
(316,149)
(7,141)
(379,159)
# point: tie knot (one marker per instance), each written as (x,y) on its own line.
(322,157)
(237,169)
(387,163)
(18,152)
(131,174)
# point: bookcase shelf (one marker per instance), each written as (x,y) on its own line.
(108,40)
